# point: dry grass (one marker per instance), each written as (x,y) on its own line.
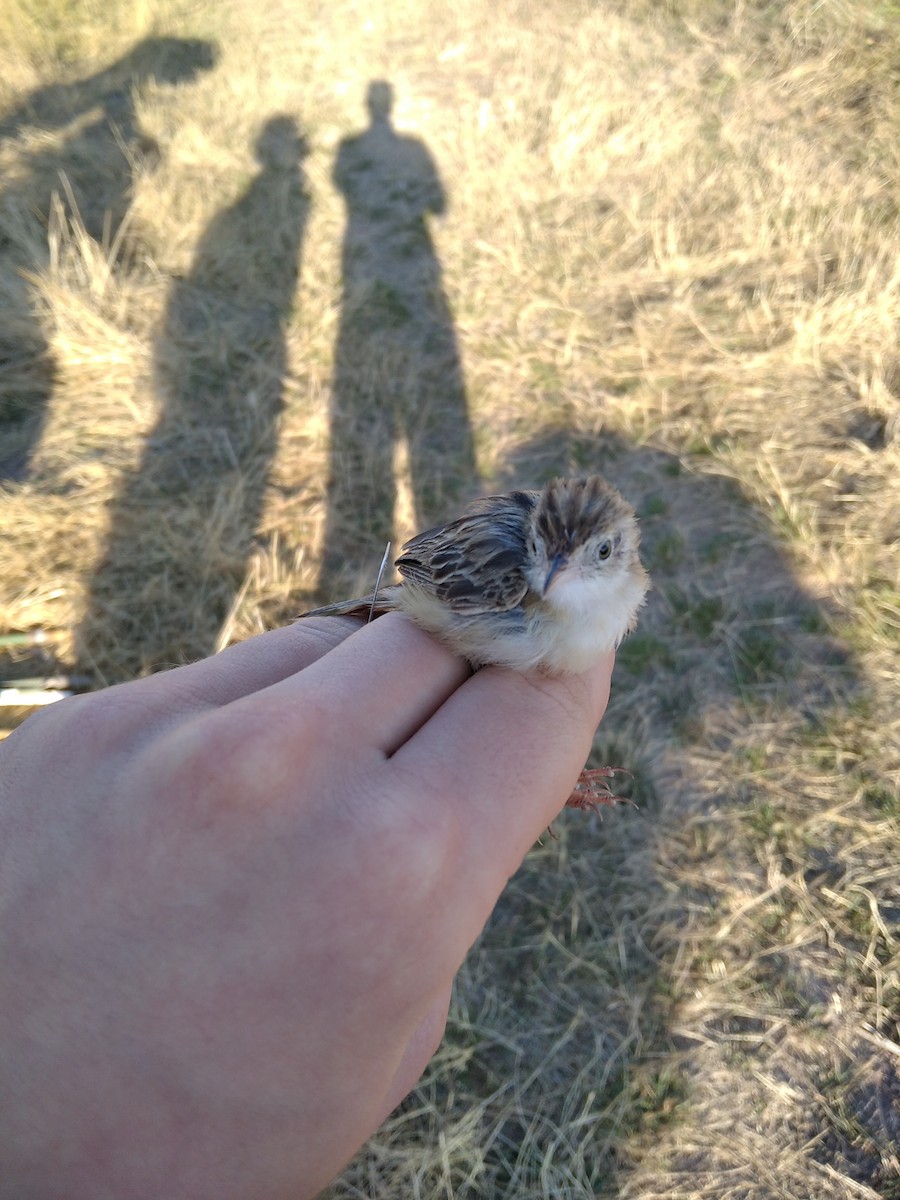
(670,252)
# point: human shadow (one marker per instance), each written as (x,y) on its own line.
(184,524)
(80,142)
(397,373)
(733,663)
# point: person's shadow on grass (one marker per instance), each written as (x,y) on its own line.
(183,527)
(397,373)
(733,682)
(80,142)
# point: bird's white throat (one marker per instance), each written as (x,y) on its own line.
(589,613)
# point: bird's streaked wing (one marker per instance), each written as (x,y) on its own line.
(474,564)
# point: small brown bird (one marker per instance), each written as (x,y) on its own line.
(547,580)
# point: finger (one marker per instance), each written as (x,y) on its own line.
(505,750)
(266,659)
(374,689)
(250,666)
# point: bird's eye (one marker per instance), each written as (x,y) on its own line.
(604,550)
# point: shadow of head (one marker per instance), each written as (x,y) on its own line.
(170,59)
(380,100)
(281,143)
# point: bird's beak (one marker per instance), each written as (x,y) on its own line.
(555,567)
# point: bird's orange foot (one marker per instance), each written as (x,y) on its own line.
(593,789)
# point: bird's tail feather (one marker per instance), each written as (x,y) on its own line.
(344,608)
(376,604)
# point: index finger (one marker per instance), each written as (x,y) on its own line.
(251,666)
(371,691)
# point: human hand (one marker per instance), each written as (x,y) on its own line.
(233,898)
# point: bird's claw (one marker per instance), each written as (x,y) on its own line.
(593,789)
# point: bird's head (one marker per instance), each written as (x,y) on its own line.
(583,545)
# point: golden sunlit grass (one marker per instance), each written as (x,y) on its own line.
(669,252)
